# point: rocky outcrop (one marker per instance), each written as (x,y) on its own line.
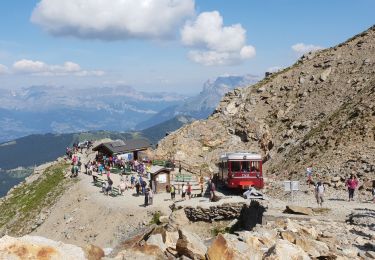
(33,247)
(190,245)
(226,246)
(319,111)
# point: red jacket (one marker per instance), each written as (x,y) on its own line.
(352,183)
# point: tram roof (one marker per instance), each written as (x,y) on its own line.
(241,156)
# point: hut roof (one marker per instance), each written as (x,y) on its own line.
(120,146)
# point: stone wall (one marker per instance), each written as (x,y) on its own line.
(248,215)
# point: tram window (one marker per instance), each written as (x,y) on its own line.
(236,166)
(246,166)
(255,166)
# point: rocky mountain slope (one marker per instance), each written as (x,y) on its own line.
(319,111)
(203,104)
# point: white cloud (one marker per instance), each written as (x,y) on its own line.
(301,48)
(214,43)
(42,69)
(3,69)
(114,19)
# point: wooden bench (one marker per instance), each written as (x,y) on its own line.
(114,192)
(99,182)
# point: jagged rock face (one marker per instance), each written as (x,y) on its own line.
(319,111)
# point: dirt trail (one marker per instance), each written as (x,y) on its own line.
(85,215)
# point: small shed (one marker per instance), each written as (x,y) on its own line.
(122,147)
(160,178)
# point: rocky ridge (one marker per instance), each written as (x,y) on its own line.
(319,111)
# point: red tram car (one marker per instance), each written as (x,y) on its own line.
(241,170)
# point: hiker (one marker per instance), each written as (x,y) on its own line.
(352,184)
(173,192)
(143,185)
(122,187)
(212,190)
(108,171)
(150,196)
(146,197)
(373,192)
(94,176)
(137,186)
(188,191)
(109,186)
(101,168)
(309,172)
(179,169)
(319,193)
(184,188)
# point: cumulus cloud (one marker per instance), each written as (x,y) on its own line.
(42,69)
(114,19)
(301,48)
(3,69)
(213,43)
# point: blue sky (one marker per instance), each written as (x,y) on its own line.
(180,46)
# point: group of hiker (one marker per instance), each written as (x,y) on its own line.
(351,183)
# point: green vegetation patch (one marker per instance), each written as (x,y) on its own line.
(25,203)
(156,218)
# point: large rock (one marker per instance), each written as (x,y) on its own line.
(157,240)
(34,247)
(176,220)
(94,252)
(228,247)
(325,74)
(285,250)
(145,252)
(190,245)
(312,247)
(299,210)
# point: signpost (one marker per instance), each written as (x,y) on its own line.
(291,186)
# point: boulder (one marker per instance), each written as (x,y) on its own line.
(157,240)
(145,252)
(312,247)
(285,250)
(35,247)
(171,239)
(94,252)
(164,219)
(325,74)
(177,219)
(228,246)
(190,245)
(299,210)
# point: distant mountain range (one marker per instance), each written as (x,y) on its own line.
(203,104)
(47,109)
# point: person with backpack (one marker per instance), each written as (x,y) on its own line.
(373,191)
(319,193)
